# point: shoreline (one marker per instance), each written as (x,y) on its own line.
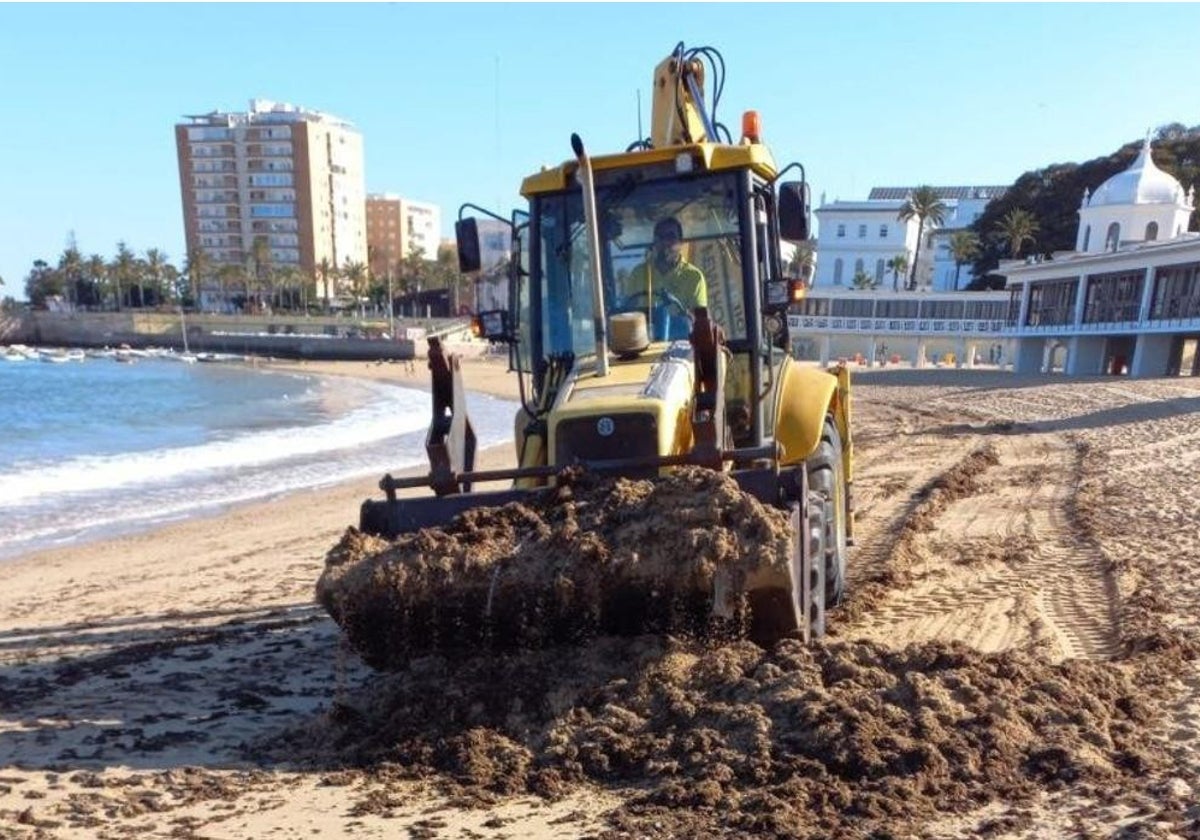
(483,376)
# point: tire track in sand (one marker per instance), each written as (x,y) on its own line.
(1004,565)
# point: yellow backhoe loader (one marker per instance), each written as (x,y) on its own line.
(622,376)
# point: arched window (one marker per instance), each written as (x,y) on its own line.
(1152,231)
(1087,237)
(858,267)
(878,271)
(837,272)
(1112,237)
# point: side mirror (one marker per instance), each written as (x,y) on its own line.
(466,234)
(781,294)
(492,325)
(794,210)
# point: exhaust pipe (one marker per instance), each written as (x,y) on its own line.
(599,324)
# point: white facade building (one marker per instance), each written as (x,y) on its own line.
(963,206)
(856,236)
(865,235)
(1127,300)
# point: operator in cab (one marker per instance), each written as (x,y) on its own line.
(665,270)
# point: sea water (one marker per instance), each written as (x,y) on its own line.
(97,448)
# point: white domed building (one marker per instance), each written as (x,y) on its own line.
(1127,299)
(1141,204)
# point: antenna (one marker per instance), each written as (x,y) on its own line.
(640,136)
(496,110)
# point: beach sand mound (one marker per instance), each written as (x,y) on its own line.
(591,557)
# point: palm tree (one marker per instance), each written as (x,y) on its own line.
(263,272)
(964,247)
(1017,228)
(198,265)
(897,265)
(156,272)
(230,274)
(70,264)
(864,281)
(327,272)
(358,277)
(925,206)
(96,270)
(802,261)
(123,269)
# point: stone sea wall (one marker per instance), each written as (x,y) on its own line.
(281,336)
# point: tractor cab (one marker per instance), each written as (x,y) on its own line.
(678,230)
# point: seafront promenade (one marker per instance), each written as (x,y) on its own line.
(286,336)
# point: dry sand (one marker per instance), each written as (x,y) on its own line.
(1016,659)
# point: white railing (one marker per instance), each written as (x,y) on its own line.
(894,326)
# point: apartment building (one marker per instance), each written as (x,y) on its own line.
(396,226)
(290,176)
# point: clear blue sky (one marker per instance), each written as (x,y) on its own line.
(457,102)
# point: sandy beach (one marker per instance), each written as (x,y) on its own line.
(1048,522)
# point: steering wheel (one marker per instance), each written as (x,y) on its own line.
(628,304)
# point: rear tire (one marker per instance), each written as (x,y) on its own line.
(814,529)
(825,478)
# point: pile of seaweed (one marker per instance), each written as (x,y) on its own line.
(801,741)
(591,557)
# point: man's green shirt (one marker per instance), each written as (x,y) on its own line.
(684,281)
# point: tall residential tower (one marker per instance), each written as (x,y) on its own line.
(290,177)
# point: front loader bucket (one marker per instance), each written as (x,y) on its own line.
(689,553)
(390,518)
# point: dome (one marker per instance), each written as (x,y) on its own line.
(1141,183)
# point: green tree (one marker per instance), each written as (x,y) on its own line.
(802,262)
(863,281)
(231,276)
(43,281)
(262,268)
(197,268)
(924,206)
(897,265)
(95,269)
(70,265)
(1017,228)
(964,247)
(123,271)
(359,278)
(159,274)
(327,278)
(415,271)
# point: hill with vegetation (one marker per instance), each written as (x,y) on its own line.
(1052,195)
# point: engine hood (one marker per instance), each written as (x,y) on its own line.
(642,407)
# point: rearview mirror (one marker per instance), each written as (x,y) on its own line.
(492,325)
(466,234)
(794,211)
